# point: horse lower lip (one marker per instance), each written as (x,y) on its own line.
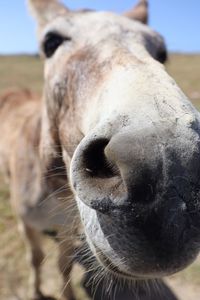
(107,264)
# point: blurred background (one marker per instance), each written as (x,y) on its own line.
(20,67)
(178,21)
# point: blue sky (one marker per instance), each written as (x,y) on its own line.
(177,20)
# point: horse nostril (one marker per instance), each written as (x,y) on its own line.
(94,177)
(95,161)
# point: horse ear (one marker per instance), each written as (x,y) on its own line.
(46,10)
(139,12)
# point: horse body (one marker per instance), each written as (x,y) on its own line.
(38,205)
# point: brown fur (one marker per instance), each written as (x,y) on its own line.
(20,117)
(16,107)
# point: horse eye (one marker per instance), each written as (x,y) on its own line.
(52,42)
(162,56)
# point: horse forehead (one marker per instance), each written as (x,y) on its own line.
(97,24)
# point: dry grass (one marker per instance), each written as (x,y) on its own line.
(21,72)
(186,71)
(26,72)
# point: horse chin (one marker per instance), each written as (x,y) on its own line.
(120,271)
(107,265)
(111,268)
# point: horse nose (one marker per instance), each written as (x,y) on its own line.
(140,163)
(108,173)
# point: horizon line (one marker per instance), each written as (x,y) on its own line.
(36,53)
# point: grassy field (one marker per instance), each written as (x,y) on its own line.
(185,69)
(26,72)
(21,72)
